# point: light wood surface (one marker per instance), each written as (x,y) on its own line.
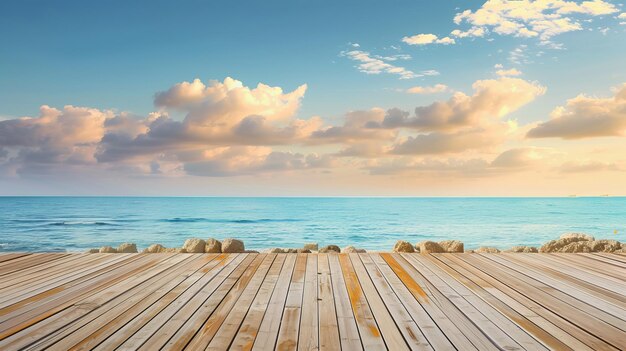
(367,301)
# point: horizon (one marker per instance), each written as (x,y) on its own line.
(282,99)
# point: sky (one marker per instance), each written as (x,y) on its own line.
(313,98)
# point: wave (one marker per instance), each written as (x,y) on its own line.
(64,223)
(238,221)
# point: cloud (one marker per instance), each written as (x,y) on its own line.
(425,39)
(245,160)
(492,99)
(408,165)
(542,19)
(509,161)
(437,88)
(217,115)
(508,72)
(521,157)
(68,136)
(586,117)
(358,126)
(377,64)
(590,166)
(437,143)
(522,18)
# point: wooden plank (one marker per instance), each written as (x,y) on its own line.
(605,282)
(17,320)
(308,339)
(12,255)
(33,275)
(181,327)
(518,297)
(127,316)
(486,293)
(542,295)
(328,325)
(249,329)
(250,280)
(314,301)
(569,285)
(290,322)
(572,297)
(424,321)
(270,324)
(368,329)
(616,256)
(455,325)
(95,311)
(475,314)
(21,296)
(28,261)
(501,293)
(348,330)
(598,256)
(596,266)
(398,328)
(227,331)
(21,287)
(30,299)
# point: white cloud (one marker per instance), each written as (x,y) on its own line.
(527,18)
(543,19)
(437,88)
(586,117)
(376,65)
(492,100)
(425,39)
(508,72)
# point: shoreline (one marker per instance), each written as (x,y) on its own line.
(566,243)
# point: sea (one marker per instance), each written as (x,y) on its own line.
(374,223)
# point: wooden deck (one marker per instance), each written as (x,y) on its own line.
(313,301)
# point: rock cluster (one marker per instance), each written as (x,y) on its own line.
(568,242)
(230,245)
(578,242)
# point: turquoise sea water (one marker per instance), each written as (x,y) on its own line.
(78,223)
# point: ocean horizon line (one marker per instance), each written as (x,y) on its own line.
(320,197)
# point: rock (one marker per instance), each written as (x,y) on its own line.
(485,249)
(558,244)
(277,250)
(523,249)
(579,236)
(213,246)
(231,245)
(175,250)
(155,248)
(250,251)
(311,246)
(604,245)
(469,251)
(352,249)
(429,247)
(127,248)
(577,246)
(93,251)
(303,251)
(107,249)
(403,246)
(194,245)
(452,246)
(330,249)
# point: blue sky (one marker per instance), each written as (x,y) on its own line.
(115,55)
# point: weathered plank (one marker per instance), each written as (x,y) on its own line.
(247,301)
